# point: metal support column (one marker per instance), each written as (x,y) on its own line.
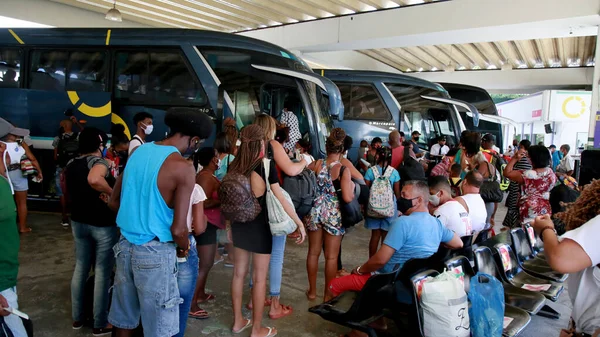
(594,128)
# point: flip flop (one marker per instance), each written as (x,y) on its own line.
(283,313)
(267,304)
(218,261)
(200,314)
(248,324)
(209,297)
(27,230)
(271,334)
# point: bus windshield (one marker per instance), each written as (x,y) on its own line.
(431,119)
(253,91)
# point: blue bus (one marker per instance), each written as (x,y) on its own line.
(376,103)
(482,100)
(107,76)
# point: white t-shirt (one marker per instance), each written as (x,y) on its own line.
(477,211)
(566,164)
(437,150)
(454,217)
(584,286)
(198,195)
(134,143)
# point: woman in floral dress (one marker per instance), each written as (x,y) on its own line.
(535,183)
(325,220)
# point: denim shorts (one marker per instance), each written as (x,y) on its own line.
(18,181)
(59,191)
(146,286)
(375,223)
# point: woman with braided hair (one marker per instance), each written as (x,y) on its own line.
(577,252)
(253,238)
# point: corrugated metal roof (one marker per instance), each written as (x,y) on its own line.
(537,53)
(235,15)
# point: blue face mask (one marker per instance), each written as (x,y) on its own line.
(103,151)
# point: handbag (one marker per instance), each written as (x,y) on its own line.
(279,221)
(490,189)
(350,211)
(27,167)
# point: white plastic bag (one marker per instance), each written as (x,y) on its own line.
(279,221)
(445,307)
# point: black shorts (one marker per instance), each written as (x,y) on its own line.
(209,237)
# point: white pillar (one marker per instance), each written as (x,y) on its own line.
(594,130)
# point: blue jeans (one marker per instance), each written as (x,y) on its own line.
(146,287)
(275,266)
(186,280)
(93,247)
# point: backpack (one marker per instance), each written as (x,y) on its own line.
(238,203)
(67,149)
(455,188)
(351,212)
(499,163)
(381,200)
(303,191)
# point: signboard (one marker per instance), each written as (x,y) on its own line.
(536,113)
(570,106)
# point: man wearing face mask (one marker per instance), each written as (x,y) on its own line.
(152,197)
(450,212)
(143,123)
(415,235)
(415,141)
(89,183)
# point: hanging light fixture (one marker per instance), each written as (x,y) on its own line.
(113,14)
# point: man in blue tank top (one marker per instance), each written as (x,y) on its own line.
(152,198)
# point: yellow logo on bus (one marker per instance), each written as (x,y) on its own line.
(575,110)
(100,111)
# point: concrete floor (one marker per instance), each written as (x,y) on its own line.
(47,262)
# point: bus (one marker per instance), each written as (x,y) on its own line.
(482,100)
(106,76)
(376,103)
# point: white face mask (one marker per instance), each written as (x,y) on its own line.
(238,143)
(218,163)
(434,200)
(148,128)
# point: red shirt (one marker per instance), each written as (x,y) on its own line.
(397,156)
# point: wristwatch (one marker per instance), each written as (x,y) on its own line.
(544,229)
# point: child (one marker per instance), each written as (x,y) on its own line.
(455,179)
(379,219)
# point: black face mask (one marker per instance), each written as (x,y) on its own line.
(404,204)
(416,139)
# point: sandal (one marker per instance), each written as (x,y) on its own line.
(27,230)
(209,297)
(286,310)
(248,324)
(271,334)
(200,314)
(267,304)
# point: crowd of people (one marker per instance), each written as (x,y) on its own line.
(157,213)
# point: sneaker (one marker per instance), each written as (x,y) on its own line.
(77,325)
(102,331)
(65,223)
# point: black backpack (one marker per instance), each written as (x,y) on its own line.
(351,211)
(68,148)
(303,191)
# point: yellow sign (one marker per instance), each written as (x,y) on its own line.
(100,111)
(576,109)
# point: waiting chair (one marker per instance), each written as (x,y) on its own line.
(526,258)
(536,243)
(519,317)
(482,236)
(512,273)
(356,310)
(530,301)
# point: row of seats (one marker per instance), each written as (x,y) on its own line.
(526,277)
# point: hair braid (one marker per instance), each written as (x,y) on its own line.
(586,207)
(249,152)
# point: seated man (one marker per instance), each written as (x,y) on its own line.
(450,212)
(471,200)
(415,235)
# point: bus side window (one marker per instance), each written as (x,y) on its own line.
(156,77)
(48,70)
(362,102)
(87,71)
(10,68)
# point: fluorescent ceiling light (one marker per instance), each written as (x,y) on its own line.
(491,67)
(420,69)
(408,70)
(6,22)
(434,69)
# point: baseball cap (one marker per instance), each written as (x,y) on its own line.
(442,138)
(416,133)
(8,129)
(488,137)
(552,146)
